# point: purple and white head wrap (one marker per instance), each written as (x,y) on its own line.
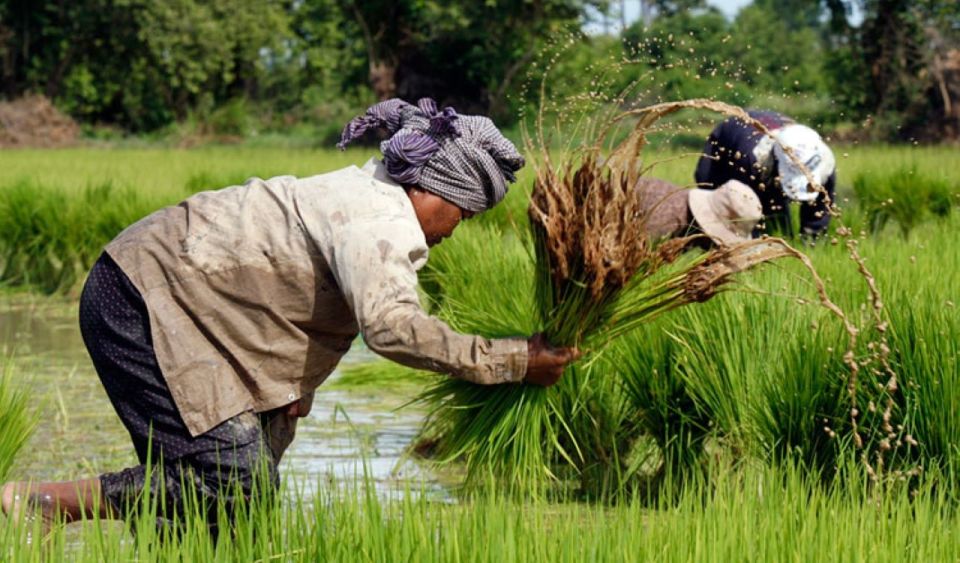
(461,158)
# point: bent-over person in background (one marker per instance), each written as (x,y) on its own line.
(727,215)
(739,151)
(212,322)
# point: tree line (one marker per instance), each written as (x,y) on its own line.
(143,64)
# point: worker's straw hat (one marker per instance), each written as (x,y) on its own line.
(727,214)
(810,150)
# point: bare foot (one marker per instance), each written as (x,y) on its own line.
(23,507)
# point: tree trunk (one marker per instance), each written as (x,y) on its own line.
(383,79)
(7,57)
(646,12)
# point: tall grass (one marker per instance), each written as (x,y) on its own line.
(50,238)
(904,196)
(16,418)
(757,371)
(118,186)
(753,513)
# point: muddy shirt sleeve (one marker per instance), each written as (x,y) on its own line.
(376,267)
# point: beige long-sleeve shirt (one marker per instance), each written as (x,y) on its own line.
(255,292)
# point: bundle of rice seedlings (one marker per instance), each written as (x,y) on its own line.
(660,405)
(596,276)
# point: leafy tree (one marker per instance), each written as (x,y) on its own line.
(474,51)
(793,14)
(777,55)
(692,54)
(669,8)
(141,63)
(887,70)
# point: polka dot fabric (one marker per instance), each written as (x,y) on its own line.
(115,325)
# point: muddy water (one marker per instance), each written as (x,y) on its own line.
(78,434)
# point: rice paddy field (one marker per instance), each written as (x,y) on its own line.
(729,430)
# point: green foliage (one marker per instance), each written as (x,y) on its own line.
(771,513)
(471,54)
(904,196)
(145,64)
(378,375)
(16,421)
(691,56)
(889,70)
(48,239)
(775,56)
(312,64)
(702,54)
(667,8)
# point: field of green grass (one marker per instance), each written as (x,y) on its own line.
(719,432)
(752,514)
(58,208)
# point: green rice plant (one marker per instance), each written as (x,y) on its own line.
(904,196)
(751,512)
(766,373)
(760,370)
(593,276)
(924,337)
(49,238)
(16,420)
(378,375)
(148,178)
(649,365)
(495,298)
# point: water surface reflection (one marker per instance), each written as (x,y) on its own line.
(349,433)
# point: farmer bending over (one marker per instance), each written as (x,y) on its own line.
(726,215)
(738,151)
(210,323)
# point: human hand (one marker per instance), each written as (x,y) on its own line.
(301,407)
(545,363)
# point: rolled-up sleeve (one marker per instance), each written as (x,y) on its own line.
(375,264)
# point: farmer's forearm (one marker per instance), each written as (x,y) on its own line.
(409,336)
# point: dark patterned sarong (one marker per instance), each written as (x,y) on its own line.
(217,465)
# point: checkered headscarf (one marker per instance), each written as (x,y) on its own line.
(461,158)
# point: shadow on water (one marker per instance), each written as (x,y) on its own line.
(348,432)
